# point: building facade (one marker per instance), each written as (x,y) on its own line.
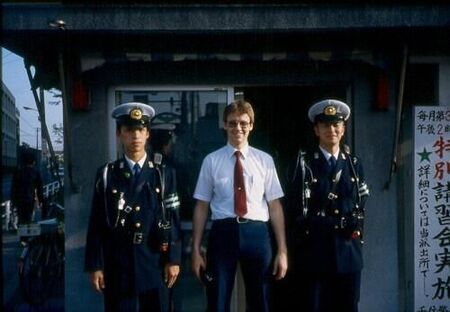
(10,130)
(189,61)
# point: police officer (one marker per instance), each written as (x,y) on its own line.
(162,143)
(326,196)
(133,249)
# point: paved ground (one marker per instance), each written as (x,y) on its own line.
(188,295)
(12,296)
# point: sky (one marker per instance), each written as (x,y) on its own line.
(15,78)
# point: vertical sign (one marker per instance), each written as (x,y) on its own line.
(432,208)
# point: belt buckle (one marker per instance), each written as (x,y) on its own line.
(241,220)
(138,237)
(332,196)
(343,222)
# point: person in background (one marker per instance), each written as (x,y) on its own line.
(240,185)
(27,188)
(133,249)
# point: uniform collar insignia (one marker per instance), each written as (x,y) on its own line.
(121,165)
(150,164)
(343,156)
(316,155)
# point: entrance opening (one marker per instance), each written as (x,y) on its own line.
(281,118)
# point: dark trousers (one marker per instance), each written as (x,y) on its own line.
(151,301)
(25,212)
(329,292)
(250,245)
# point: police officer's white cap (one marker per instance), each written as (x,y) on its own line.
(329,110)
(163,126)
(133,114)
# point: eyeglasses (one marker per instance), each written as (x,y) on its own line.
(234,124)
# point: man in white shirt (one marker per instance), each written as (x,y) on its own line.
(240,185)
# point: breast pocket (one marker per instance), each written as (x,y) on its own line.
(254,186)
(223,188)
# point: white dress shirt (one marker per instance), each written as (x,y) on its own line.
(216,180)
(328,155)
(131,163)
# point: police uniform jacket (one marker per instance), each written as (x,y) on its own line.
(328,235)
(122,238)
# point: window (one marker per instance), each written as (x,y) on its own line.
(196,114)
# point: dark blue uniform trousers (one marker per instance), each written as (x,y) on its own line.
(152,301)
(250,244)
(329,292)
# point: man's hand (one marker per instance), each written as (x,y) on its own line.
(171,272)
(280,265)
(97,280)
(198,264)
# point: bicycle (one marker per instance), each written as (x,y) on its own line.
(41,264)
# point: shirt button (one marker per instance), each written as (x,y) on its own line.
(137,208)
(138,225)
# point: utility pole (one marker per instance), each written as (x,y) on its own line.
(37,139)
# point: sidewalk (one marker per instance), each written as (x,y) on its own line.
(189,295)
(12,297)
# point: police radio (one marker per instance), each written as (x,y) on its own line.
(164,225)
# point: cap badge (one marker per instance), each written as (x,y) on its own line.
(136,114)
(330,110)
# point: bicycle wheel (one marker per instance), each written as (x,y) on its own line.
(35,283)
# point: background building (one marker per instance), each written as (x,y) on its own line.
(10,130)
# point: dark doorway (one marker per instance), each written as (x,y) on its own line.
(281,112)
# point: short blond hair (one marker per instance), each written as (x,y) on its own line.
(241,107)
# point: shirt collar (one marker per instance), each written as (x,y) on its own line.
(231,149)
(140,161)
(328,155)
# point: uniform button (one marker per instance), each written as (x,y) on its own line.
(336,227)
(137,208)
(138,225)
(307,232)
(114,191)
(157,190)
(336,211)
(314,180)
(353,179)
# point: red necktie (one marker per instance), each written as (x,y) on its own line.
(240,199)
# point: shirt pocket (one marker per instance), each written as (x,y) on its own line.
(223,188)
(254,186)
